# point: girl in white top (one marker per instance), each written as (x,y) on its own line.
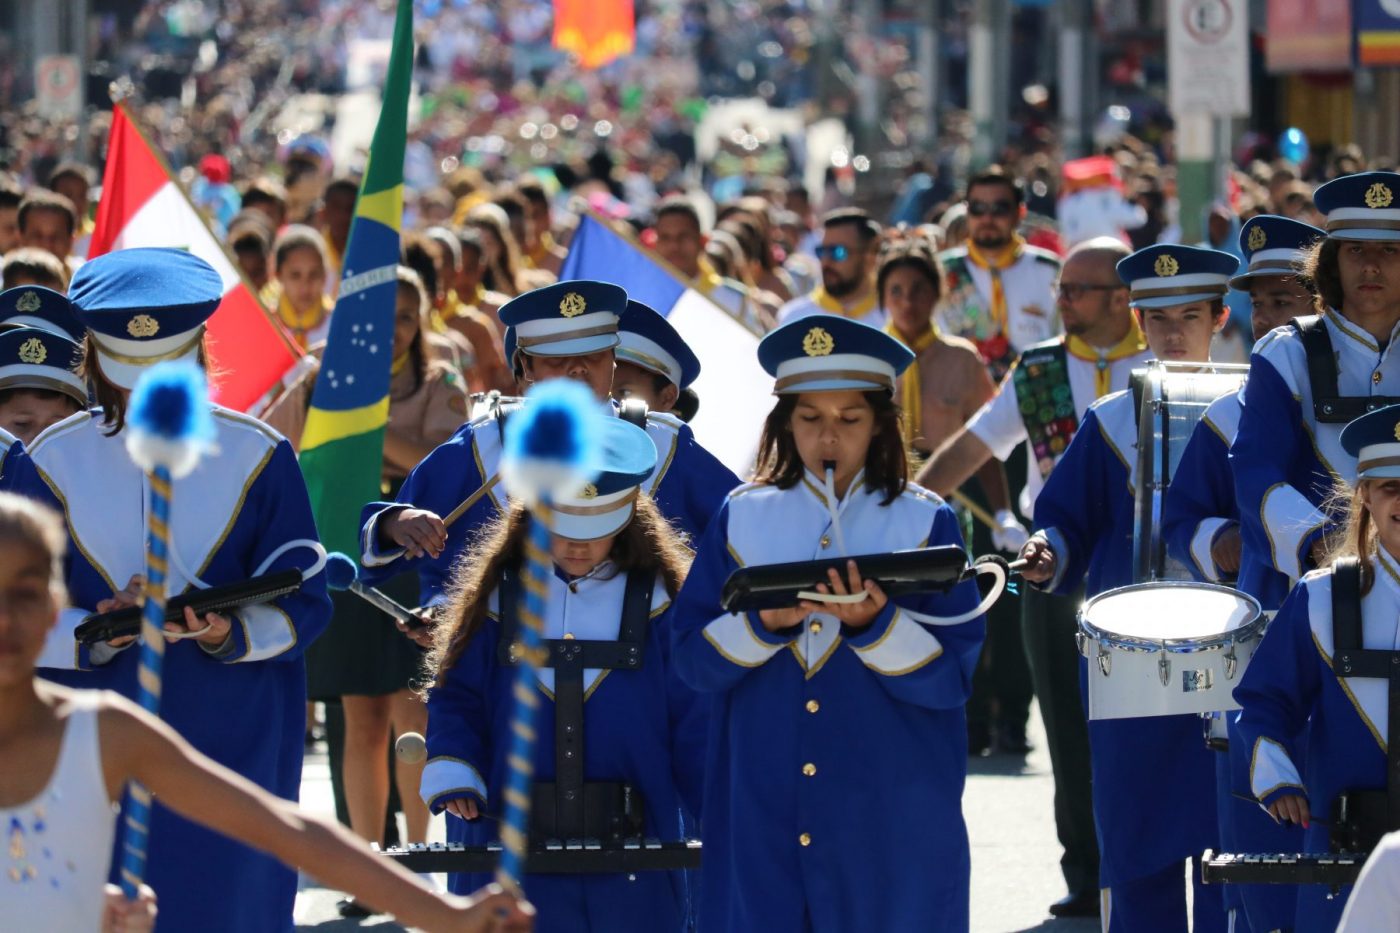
(66,755)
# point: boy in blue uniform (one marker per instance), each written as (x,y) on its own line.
(640,728)
(1202,529)
(838,748)
(1154,785)
(565,330)
(1292,679)
(1307,381)
(238,692)
(39,355)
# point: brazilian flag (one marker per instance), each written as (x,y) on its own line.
(342,446)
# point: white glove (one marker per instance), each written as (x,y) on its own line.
(1009,535)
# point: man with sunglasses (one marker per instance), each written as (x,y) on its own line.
(999,292)
(1040,404)
(848,252)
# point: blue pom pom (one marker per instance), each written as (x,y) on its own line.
(168,419)
(554,445)
(341,571)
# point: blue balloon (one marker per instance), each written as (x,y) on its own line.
(1293,145)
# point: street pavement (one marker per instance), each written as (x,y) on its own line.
(1008,804)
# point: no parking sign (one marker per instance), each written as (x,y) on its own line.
(58,87)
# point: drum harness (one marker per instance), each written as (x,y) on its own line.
(1330,407)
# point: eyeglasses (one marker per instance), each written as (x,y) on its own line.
(837,253)
(1073,291)
(995,208)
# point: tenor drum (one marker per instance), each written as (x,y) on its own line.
(1159,649)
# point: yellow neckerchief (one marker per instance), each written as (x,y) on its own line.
(543,247)
(708,278)
(1133,343)
(996,264)
(910,390)
(301,323)
(833,306)
(451,306)
(398,364)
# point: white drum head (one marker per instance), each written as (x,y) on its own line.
(1156,612)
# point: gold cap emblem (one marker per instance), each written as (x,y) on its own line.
(818,342)
(1257,238)
(1397,430)
(32,351)
(28,303)
(1166,265)
(1378,196)
(573,305)
(143,325)
(589,491)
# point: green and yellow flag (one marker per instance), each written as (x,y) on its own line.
(342,447)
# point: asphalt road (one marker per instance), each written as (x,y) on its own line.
(1015,858)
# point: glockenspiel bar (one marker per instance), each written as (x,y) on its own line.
(1330,868)
(554,856)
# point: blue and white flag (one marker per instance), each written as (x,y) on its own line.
(734,390)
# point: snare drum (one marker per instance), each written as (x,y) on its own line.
(1160,649)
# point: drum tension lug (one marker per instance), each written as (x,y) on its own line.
(1105,658)
(1164,668)
(1231,662)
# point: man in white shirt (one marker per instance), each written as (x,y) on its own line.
(848,252)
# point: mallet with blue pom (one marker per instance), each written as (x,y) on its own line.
(168,430)
(552,448)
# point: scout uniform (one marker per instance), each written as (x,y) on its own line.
(242,704)
(838,757)
(1002,309)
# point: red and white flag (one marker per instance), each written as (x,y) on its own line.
(143,205)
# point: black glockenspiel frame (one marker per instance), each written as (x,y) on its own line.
(554,857)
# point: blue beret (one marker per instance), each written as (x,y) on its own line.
(1164,275)
(604,506)
(143,306)
(1374,440)
(568,318)
(648,340)
(1273,245)
(825,352)
(31,358)
(44,308)
(1361,207)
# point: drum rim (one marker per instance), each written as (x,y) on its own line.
(1249,631)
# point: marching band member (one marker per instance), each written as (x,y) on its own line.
(1308,380)
(1296,676)
(1201,527)
(238,693)
(1084,520)
(839,743)
(617,567)
(1041,403)
(653,362)
(565,330)
(39,383)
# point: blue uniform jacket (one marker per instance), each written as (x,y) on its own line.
(643,727)
(1290,682)
(245,710)
(1154,779)
(837,758)
(1285,463)
(688,486)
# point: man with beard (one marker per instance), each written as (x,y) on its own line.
(1000,292)
(847,254)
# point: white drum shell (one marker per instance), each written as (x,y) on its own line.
(1190,663)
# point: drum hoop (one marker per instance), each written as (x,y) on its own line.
(1249,631)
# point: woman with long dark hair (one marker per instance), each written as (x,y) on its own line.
(617,567)
(839,748)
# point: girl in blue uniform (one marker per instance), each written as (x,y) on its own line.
(234,685)
(1292,681)
(838,750)
(640,727)
(1154,778)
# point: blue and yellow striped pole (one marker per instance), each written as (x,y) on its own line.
(515,820)
(138,802)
